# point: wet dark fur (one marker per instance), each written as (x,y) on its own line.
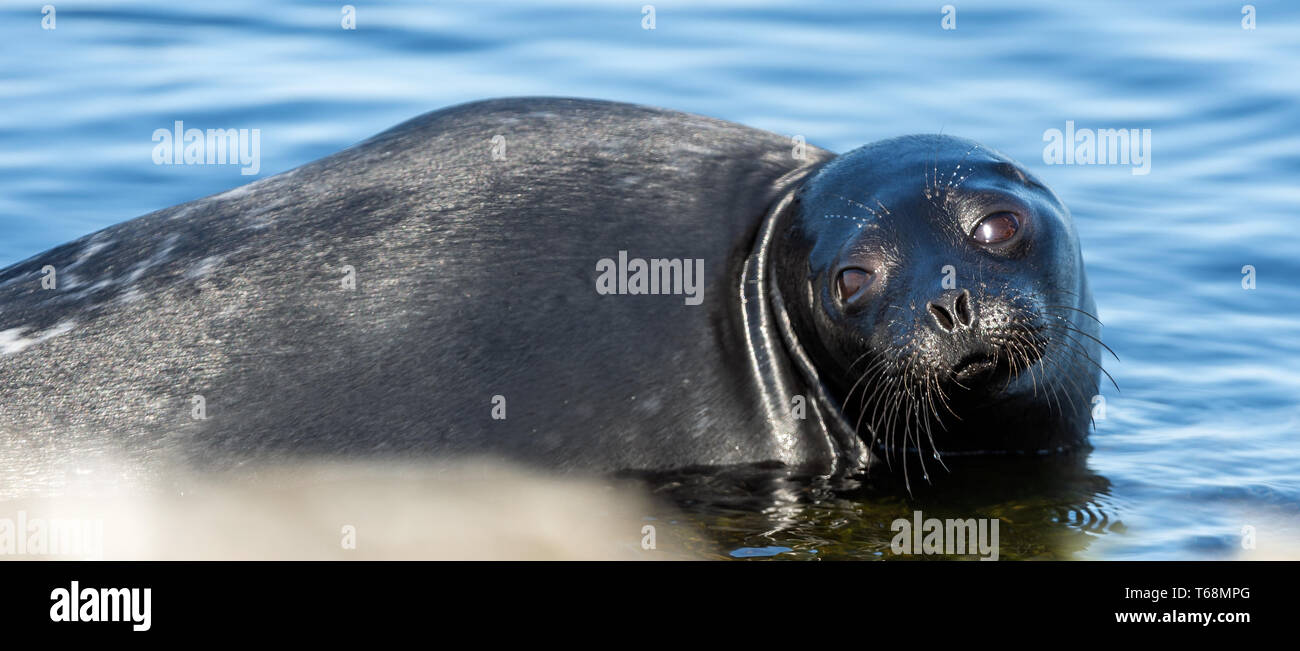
(475,278)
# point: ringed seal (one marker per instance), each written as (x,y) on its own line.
(497,307)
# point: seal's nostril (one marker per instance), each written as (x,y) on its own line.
(942,316)
(963,308)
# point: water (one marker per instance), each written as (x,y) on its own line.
(1201,440)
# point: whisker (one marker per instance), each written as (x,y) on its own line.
(1086,313)
(1079,349)
(1066,324)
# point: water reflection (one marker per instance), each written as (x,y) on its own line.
(1048,507)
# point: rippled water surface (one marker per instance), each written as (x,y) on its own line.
(1200,440)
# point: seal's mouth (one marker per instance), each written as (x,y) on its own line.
(978,368)
(973,365)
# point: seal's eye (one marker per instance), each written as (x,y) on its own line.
(996,228)
(852,280)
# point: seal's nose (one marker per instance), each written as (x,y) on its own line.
(952,310)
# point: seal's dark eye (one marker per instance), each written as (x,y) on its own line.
(851,280)
(996,228)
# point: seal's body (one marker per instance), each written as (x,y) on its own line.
(475,269)
(475,281)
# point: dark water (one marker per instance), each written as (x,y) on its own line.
(1200,441)
(1047,507)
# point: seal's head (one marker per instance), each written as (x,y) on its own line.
(938,291)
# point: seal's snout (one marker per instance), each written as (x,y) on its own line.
(952,310)
(972,353)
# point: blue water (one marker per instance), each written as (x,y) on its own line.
(1202,439)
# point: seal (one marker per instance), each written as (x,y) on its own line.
(574,284)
